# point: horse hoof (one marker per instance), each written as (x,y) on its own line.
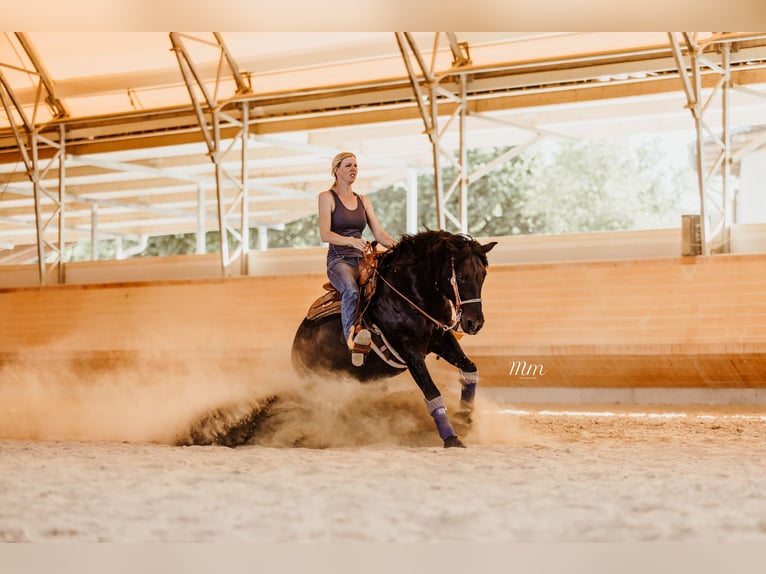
(453,441)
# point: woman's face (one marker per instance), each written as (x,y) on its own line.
(347,170)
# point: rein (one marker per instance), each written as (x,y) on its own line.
(457,305)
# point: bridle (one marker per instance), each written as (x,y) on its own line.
(457,306)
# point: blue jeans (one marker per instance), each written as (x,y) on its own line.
(344,276)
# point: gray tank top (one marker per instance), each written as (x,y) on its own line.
(348,223)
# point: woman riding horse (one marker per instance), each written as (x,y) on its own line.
(428,289)
(343,215)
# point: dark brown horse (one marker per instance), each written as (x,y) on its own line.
(428,288)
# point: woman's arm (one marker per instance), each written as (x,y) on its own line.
(380,234)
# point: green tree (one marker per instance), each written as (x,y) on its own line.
(180,244)
(302,232)
(602,185)
(498,203)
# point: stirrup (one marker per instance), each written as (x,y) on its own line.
(362,345)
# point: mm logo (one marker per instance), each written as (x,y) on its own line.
(524,370)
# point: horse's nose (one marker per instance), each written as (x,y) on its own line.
(473,326)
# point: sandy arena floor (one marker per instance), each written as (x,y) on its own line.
(527,475)
(92,458)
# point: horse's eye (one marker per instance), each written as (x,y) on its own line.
(461,278)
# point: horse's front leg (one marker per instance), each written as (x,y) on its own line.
(449,349)
(434,400)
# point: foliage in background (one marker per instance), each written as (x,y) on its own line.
(300,233)
(561,187)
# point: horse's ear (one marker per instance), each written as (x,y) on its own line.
(487,247)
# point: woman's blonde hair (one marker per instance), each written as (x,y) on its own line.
(336,161)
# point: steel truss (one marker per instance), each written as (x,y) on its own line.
(50,205)
(432,98)
(213,118)
(29,140)
(714,175)
(428,98)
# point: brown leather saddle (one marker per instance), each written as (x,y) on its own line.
(325,305)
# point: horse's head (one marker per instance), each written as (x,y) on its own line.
(465,274)
(453,265)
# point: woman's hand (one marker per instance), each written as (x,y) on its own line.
(357,243)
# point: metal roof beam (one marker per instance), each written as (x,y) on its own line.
(59,107)
(72,198)
(496,87)
(138,168)
(460,54)
(23,223)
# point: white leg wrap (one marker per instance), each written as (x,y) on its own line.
(434,404)
(438,411)
(469,378)
(468,393)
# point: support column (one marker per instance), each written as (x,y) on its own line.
(412,201)
(433,94)
(62,207)
(429,96)
(214,117)
(94,232)
(201,224)
(711,59)
(48,205)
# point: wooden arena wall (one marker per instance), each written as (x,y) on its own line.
(680,322)
(668,322)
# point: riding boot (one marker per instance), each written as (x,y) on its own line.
(359,343)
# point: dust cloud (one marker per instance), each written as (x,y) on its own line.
(201,400)
(144,400)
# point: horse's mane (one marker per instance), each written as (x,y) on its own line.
(431,244)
